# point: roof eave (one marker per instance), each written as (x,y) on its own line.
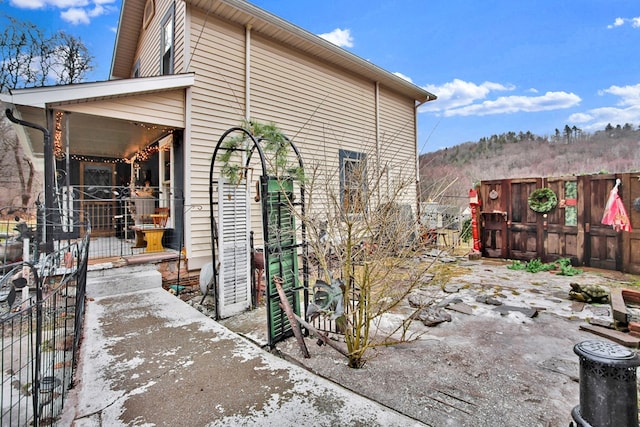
(40,97)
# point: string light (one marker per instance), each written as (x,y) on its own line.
(146,152)
(141,156)
(91,159)
(58,152)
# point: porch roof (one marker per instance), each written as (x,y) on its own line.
(105,119)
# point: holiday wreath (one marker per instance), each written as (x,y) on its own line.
(542,200)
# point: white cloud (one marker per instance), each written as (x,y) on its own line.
(73,11)
(517,104)
(461,98)
(627,110)
(629,95)
(619,22)
(339,37)
(599,118)
(459,93)
(41,4)
(75,16)
(68,4)
(28,4)
(402,76)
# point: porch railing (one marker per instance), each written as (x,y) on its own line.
(42,303)
(113,212)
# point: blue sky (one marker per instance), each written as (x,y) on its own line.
(496,65)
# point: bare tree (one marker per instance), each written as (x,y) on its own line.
(18,173)
(72,59)
(30,58)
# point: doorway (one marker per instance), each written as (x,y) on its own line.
(97,199)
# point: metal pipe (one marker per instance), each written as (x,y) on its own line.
(48,175)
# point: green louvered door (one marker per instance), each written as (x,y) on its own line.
(281,254)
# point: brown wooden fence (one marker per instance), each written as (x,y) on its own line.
(573,229)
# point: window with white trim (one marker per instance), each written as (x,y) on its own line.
(353,179)
(167,42)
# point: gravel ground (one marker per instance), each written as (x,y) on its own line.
(481,368)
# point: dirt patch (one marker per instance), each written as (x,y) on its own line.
(487,367)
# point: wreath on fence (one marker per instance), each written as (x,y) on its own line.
(542,200)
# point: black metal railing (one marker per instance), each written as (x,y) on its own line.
(42,304)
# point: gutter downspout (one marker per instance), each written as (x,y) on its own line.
(48,173)
(377,118)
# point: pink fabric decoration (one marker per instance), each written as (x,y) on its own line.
(615,213)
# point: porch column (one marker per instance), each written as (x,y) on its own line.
(49,178)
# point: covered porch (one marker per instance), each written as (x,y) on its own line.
(114,156)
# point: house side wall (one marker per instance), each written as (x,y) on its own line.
(165,108)
(398,146)
(322,109)
(148,52)
(319,107)
(217,103)
(180,38)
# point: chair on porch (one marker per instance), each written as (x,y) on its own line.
(160,217)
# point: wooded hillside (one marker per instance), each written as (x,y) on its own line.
(448,174)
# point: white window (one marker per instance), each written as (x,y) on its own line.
(166,64)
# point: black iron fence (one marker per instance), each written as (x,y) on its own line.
(42,303)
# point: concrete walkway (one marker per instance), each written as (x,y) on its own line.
(149,359)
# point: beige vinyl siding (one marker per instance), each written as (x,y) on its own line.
(179,38)
(398,143)
(217,59)
(321,108)
(163,108)
(148,52)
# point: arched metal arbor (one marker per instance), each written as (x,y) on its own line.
(231,235)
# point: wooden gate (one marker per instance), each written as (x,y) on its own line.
(630,193)
(602,244)
(561,235)
(573,229)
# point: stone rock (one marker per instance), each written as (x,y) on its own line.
(426,278)
(486,299)
(601,322)
(446,302)
(599,310)
(420,298)
(432,316)
(461,307)
(527,311)
(452,288)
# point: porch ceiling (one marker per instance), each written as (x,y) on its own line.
(98,136)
